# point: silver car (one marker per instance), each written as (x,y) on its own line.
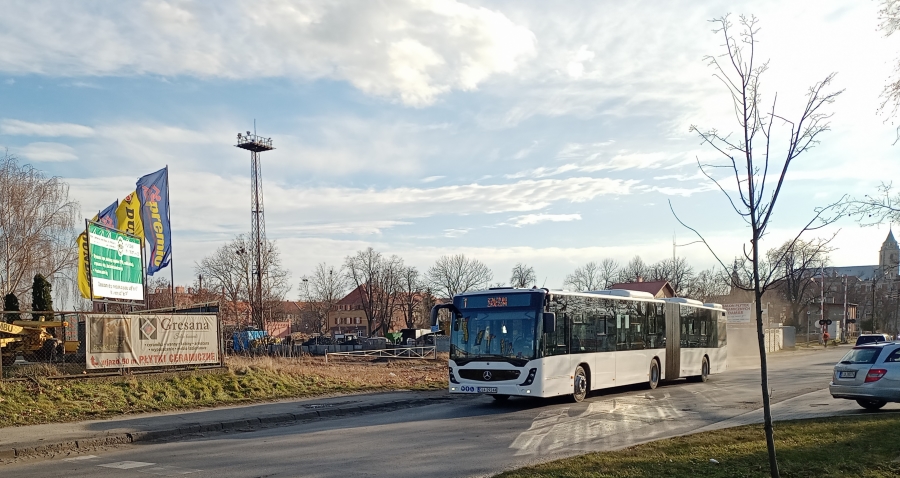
(869,374)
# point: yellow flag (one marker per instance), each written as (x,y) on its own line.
(129,216)
(84,266)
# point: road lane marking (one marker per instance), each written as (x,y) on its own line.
(126,465)
(80,458)
(167,471)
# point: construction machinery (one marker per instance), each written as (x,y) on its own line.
(32,340)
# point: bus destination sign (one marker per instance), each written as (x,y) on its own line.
(497,302)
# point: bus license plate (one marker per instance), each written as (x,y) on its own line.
(487,389)
(847,374)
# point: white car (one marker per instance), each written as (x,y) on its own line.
(869,374)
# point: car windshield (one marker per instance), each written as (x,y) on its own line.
(862,355)
(481,334)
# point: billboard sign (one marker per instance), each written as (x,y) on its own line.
(115,264)
(739,313)
(131,341)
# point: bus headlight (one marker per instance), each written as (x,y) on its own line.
(452,377)
(530,379)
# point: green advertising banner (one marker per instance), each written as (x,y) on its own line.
(115,259)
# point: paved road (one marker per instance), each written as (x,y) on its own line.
(472,436)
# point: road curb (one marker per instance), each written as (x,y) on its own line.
(244,424)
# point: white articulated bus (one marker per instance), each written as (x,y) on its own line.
(541,343)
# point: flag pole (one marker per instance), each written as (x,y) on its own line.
(171,248)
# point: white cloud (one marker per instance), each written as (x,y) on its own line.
(575,68)
(530,219)
(414,50)
(48,152)
(431,179)
(14,127)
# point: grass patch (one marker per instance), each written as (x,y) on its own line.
(859,446)
(41,400)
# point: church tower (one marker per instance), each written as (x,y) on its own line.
(889,258)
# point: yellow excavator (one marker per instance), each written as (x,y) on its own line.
(31,339)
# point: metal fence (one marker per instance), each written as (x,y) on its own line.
(397,353)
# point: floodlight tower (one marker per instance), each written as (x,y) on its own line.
(256,144)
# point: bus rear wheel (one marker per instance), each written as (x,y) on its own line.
(581,385)
(653,379)
(704,372)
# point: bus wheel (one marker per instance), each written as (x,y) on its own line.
(653,381)
(500,397)
(581,385)
(704,372)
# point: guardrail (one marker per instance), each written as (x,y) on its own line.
(398,352)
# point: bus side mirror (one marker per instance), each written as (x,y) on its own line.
(549,322)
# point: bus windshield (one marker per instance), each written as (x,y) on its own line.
(491,334)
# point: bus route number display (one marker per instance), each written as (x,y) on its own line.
(497,302)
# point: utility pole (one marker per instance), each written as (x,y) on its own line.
(822,304)
(256,144)
(844,325)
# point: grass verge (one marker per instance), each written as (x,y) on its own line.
(858,446)
(40,400)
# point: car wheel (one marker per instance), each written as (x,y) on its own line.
(871,404)
(581,385)
(500,397)
(653,380)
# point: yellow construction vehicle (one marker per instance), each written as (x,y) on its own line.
(31,339)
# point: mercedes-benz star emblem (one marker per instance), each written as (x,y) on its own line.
(486,375)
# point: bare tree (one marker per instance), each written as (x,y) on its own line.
(522,276)
(585,278)
(320,292)
(609,271)
(412,293)
(707,284)
(452,275)
(377,280)
(677,272)
(889,15)
(750,160)
(636,270)
(801,261)
(38,224)
(228,270)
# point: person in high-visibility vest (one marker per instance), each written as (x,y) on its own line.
(825,338)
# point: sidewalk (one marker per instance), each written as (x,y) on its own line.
(63,437)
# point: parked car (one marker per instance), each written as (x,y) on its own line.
(871,338)
(869,374)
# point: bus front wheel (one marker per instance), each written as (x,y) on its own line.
(653,380)
(581,385)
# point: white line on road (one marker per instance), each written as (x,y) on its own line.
(127,465)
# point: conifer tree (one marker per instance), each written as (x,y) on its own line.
(41,297)
(10,303)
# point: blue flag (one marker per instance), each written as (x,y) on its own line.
(108,216)
(153,191)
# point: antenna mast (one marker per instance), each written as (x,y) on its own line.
(256,144)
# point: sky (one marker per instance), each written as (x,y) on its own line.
(547,133)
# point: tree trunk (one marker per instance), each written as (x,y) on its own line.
(763,367)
